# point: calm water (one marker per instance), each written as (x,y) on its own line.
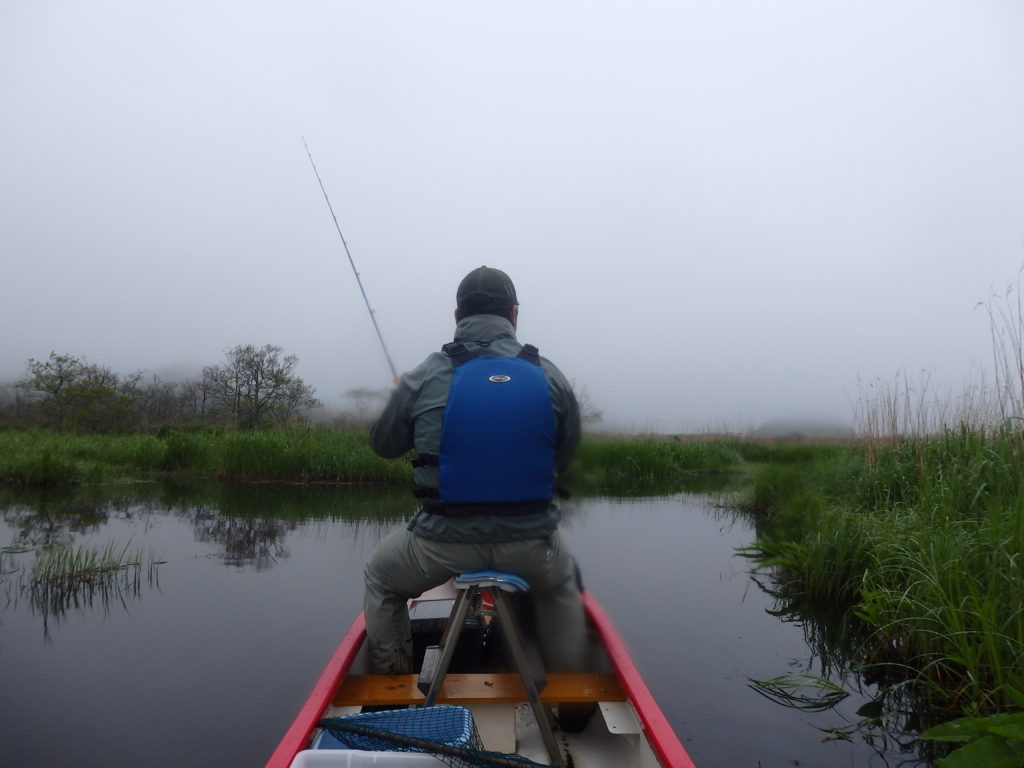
(206,663)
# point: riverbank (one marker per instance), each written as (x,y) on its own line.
(917,544)
(317,455)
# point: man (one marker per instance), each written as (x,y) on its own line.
(492,423)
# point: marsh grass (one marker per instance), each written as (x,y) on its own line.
(306,455)
(320,455)
(65,577)
(646,464)
(44,459)
(921,535)
(38,459)
(922,542)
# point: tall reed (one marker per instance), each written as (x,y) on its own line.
(306,455)
(39,459)
(309,454)
(923,542)
(646,464)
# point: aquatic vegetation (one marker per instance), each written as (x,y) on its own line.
(810,693)
(922,543)
(996,740)
(64,577)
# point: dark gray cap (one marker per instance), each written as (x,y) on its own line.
(486,290)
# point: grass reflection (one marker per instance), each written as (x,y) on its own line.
(57,579)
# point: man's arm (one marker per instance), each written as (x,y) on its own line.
(569,435)
(391,436)
(568,410)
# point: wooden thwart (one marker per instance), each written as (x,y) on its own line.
(380,690)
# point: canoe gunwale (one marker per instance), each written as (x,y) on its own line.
(297,736)
(660,735)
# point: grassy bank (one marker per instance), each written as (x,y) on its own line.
(922,540)
(42,459)
(628,465)
(613,465)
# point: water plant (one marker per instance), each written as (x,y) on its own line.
(995,741)
(66,576)
(806,692)
(921,543)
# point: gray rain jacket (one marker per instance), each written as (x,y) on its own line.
(414,415)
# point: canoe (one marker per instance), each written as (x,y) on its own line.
(623,725)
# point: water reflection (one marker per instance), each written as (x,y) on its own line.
(247,523)
(244,527)
(43,522)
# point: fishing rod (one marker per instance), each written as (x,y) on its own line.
(373,315)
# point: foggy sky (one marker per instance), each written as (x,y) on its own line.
(715,214)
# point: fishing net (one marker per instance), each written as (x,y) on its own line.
(447,732)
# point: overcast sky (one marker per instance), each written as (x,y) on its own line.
(715,214)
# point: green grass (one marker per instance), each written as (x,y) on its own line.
(646,464)
(45,459)
(923,541)
(308,455)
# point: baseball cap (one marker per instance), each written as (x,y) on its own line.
(486,290)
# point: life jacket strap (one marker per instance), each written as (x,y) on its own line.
(530,354)
(458,353)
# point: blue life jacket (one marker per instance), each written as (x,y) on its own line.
(499,431)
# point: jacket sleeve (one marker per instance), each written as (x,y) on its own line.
(568,411)
(391,437)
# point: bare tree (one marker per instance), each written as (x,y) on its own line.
(257,386)
(8,403)
(157,403)
(198,398)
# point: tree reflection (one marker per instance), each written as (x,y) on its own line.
(53,520)
(249,523)
(256,541)
(245,526)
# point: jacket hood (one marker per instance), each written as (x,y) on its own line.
(484,328)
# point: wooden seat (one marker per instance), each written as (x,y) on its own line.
(465,689)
